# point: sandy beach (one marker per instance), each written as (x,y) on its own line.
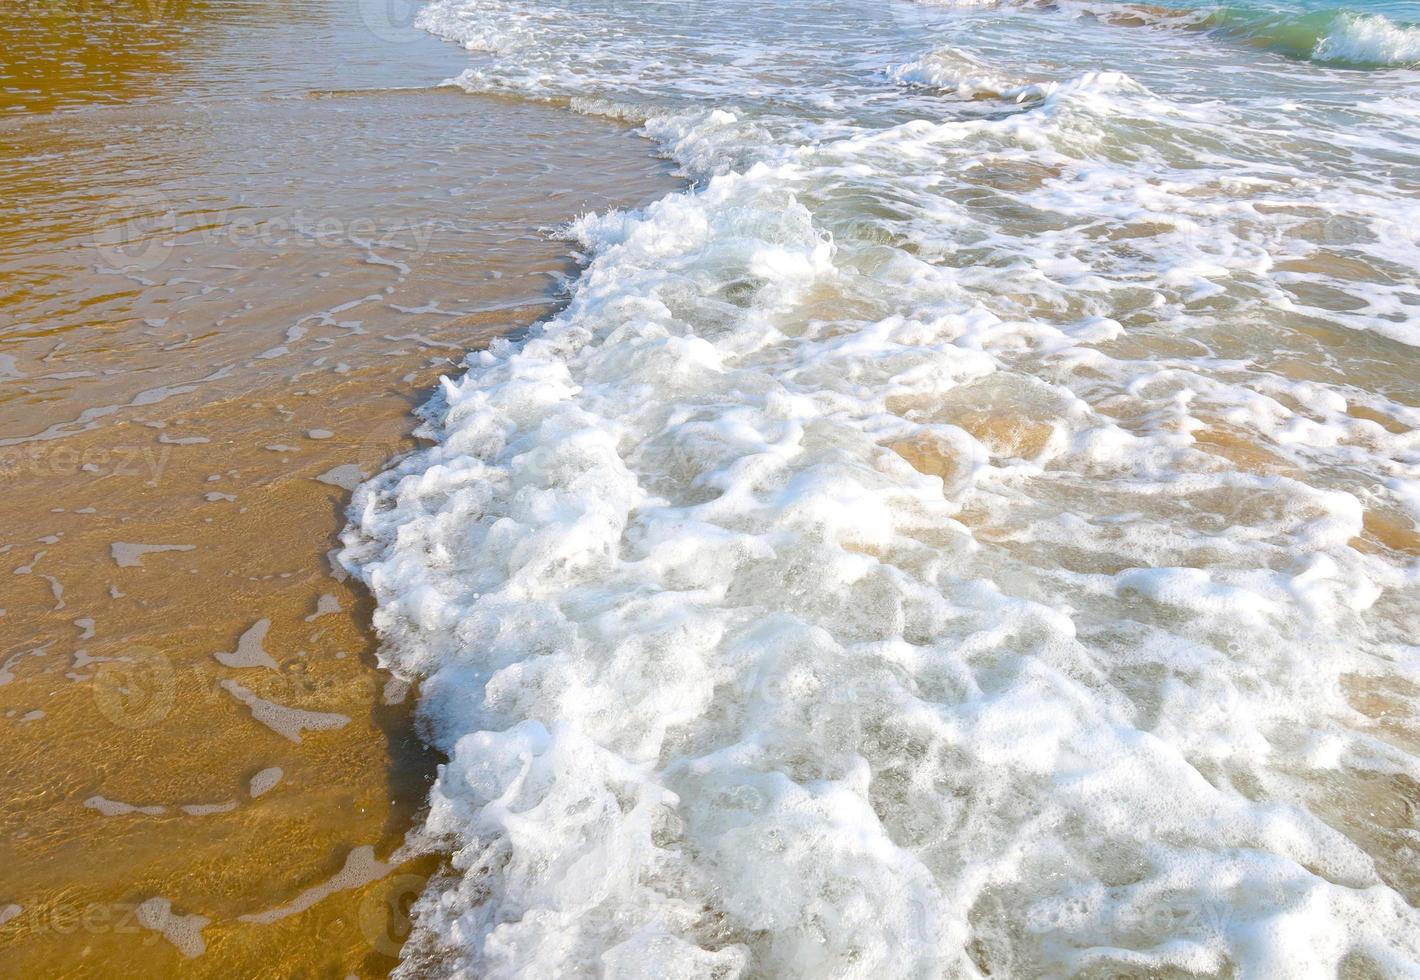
(239,246)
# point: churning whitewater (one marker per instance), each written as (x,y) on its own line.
(970,532)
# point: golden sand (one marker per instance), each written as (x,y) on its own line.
(217,317)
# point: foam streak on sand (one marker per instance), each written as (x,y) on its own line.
(969,532)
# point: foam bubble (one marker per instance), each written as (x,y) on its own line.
(183,931)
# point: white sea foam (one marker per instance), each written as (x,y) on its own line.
(958,73)
(1370,40)
(937,544)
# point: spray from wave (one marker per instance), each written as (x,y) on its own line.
(1368,41)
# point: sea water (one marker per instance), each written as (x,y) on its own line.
(972,531)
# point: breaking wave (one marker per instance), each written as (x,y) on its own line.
(969,532)
(1339,36)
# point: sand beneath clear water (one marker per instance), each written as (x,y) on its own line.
(233,265)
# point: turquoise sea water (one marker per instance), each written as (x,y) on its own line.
(1364,34)
(1367,33)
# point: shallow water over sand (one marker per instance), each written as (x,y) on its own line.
(237,242)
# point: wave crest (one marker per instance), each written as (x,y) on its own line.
(1336,37)
(1370,40)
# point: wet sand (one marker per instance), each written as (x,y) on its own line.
(235,257)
